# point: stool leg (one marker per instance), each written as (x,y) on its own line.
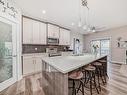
(95,83)
(104,67)
(79,87)
(73,91)
(90,83)
(87,77)
(100,71)
(104,74)
(82,88)
(98,79)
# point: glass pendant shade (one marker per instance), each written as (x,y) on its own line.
(80,24)
(85,27)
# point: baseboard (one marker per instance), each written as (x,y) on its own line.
(116,62)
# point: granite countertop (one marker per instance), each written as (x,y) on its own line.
(69,63)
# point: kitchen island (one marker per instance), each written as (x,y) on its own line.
(55,71)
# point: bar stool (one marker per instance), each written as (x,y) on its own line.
(104,63)
(100,72)
(76,76)
(90,78)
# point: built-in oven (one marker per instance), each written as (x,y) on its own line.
(53,41)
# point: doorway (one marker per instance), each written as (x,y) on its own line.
(103,47)
(8,55)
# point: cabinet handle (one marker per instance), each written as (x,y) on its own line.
(35,61)
(53,34)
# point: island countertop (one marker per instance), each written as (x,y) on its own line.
(66,64)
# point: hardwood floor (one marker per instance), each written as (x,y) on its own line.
(32,85)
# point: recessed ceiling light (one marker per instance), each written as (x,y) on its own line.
(72,24)
(44,12)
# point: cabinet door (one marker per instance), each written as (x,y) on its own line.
(36,32)
(53,31)
(64,37)
(43,33)
(28,65)
(27,31)
(38,64)
(67,37)
(56,32)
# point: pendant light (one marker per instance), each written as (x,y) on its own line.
(80,19)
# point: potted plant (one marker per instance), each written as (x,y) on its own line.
(95,49)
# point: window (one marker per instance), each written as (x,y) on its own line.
(102,47)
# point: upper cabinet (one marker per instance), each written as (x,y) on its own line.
(53,31)
(64,37)
(27,31)
(43,33)
(34,32)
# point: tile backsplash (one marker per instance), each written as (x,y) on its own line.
(26,48)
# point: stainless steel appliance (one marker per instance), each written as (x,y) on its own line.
(53,52)
(53,41)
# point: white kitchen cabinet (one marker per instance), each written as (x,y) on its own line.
(34,32)
(38,64)
(38,61)
(28,65)
(43,33)
(53,31)
(64,37)
(27,31)
(32,63)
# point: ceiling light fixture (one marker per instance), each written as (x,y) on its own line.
(84,26)
(85,3)
(79,24)
(72,24)
(93,29)
(44,12)
(80,19)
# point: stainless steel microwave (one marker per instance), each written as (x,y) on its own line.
(53,41)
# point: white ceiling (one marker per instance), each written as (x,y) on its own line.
(103,13)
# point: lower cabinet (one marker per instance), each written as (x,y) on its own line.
(38,64)
(32,64)
(28,65)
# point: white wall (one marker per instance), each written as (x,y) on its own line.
(117,54)
(78,36)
